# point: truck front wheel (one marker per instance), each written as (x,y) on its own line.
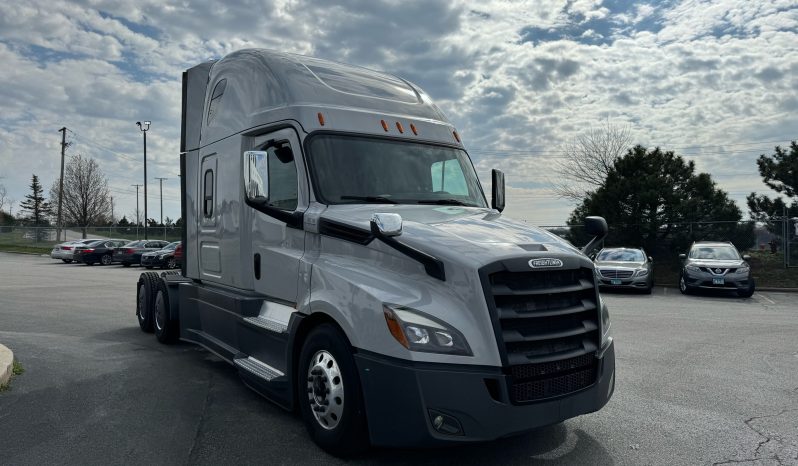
(145,294)
(329,393)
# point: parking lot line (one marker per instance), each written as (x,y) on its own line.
(766,298)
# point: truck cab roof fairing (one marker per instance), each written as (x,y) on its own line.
(264,86)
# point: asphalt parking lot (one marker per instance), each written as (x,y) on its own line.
(700,380)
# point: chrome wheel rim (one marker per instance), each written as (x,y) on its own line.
(106,260)
(325,389)
(171,263)
(159,311)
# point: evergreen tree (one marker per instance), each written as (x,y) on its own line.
(35,203)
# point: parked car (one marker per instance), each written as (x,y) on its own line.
(131,253)
(715,265)
(163,258)
(65,251)
(98,251)
(625,268)
(179,254)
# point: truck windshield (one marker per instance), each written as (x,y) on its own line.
(357,170)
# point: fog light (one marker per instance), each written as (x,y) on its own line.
(444,423)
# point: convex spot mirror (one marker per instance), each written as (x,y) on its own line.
(386,224)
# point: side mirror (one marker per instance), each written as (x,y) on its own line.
(497,190)
(682,256)
(256,175)
(746,257)
(597,227)
(386,224)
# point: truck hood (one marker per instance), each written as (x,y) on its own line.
(460,233)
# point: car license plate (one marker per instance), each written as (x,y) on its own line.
(615,281)
(718,281)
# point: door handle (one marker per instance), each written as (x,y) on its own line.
(256,264)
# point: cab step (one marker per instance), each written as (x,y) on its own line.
(267,324)
(258,368)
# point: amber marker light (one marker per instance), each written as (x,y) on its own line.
(321,118)
(413,129)
(399,127)
(456,136)
(395,327)
(384,125)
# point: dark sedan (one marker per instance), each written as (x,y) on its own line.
(99,251)
(131,253)
(163,258)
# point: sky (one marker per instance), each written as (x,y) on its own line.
(714,81)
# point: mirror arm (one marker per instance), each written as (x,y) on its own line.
(432,265)
(292,219)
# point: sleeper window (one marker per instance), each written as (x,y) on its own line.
(207,207)
(216,99)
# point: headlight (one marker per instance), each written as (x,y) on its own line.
(692,268)
(418,331)
(163,256)
(744,270)
(641,273)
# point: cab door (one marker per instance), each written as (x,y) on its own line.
(276,247)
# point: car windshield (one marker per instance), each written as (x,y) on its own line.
(621,255)
(714,253)
(361,170)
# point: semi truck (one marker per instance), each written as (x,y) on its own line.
(339,251)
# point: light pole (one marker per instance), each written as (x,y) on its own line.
(144,127)
(162,225)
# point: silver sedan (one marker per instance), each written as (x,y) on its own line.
(624,268)
(65,251)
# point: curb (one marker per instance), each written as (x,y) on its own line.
(6,363)
(758,288)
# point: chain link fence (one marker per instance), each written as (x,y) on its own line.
(26,238)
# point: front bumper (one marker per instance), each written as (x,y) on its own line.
(708,281)
(402,398)
(152,261)
(633,282)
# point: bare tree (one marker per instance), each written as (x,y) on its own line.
(87,200)
(588,159)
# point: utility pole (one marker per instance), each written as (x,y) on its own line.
(112,210)
(137,209)
(162,225)
(144,127)
(61,184)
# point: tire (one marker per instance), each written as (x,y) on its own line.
(67,261)
(89,263)
(166,329)
(684,287)
(648,289)
(125,264)
(106,259)
(747,293)
(145,297)
(340,428)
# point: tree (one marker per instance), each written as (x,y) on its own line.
(780,173)
(3,196)
(588,160)
(656,200)
(35,203)
(123,222)
(86,198)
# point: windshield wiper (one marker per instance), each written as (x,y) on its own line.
(370,199)
(447,202)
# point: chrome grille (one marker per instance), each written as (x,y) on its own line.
(614,273)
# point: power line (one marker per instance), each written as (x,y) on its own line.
(100,146)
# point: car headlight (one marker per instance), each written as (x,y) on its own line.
(606,324)
(691,268)
(418,331)
(641,273)
(744,270)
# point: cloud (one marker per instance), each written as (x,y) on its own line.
(518,79)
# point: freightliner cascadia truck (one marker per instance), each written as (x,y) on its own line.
(340,253)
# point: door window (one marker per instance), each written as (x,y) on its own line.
(207,206)
(283,185)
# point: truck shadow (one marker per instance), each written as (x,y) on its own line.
(537,447)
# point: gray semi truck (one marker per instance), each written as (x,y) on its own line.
(341,255)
